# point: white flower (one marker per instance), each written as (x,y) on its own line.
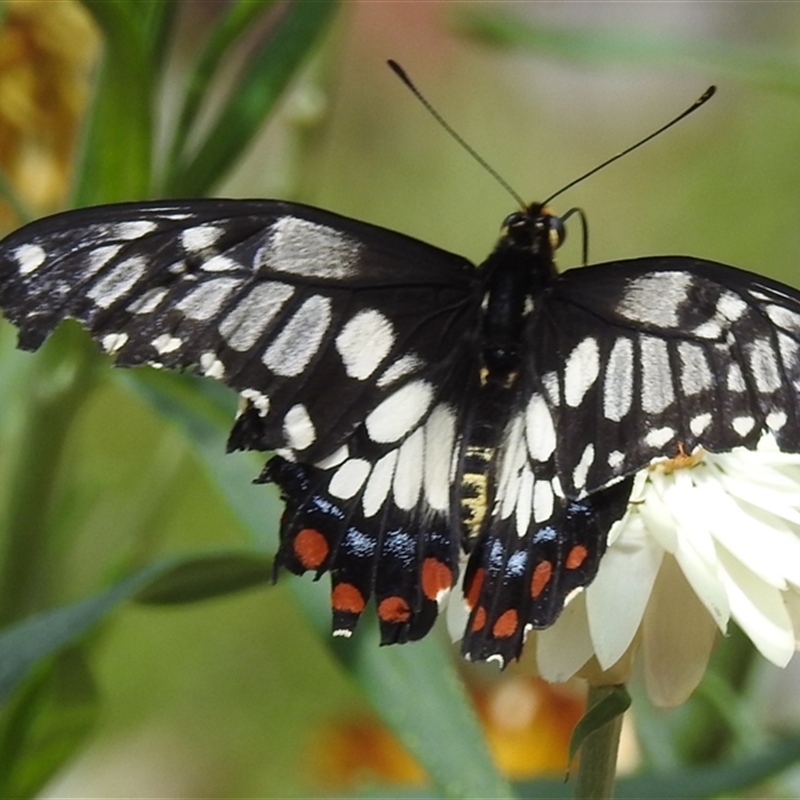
(705,539)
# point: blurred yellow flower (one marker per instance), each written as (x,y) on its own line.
(47,50)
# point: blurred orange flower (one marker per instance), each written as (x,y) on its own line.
(527,723)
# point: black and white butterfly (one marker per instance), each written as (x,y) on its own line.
(421,408)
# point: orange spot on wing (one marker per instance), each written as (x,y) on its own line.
(394,609)
(541,577)
(310,548)
(506,624)
(576,556)
(345,597)
(479,620)
(436,577)
(474,589)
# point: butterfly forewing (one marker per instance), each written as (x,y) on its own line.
(649,358)
(314,318)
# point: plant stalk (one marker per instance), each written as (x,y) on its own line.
(598,756)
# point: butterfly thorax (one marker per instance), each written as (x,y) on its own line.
(515,274)
(518,269)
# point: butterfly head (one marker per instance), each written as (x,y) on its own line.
(535,229)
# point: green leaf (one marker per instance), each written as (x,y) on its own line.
(117,146)
(236,22)
(635,48)
(614,703)
(204,577)
(46,723)
(204,410)
(25,644)
(717,781)
(259,88)
(416,690)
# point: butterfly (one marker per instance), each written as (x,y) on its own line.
(432,421)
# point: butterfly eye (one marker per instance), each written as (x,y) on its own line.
(556,232)
(516,219)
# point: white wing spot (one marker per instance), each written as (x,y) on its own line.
(735,381)
(710,329)
(211,366)
(148,302)
(405,365)
(338,456)
(253,314)
(220,264)
(364,342)
(206,300)
(657,391)
(616,458)
(581,471)
(440,431)
(539,429)
(408,475)
(260,402)
(114,342)
(397,415)
(299,339)
(763,365)
(552,388)
(776,420)
(618,381)
(581,370)
(166,344)
(543,500)
(789,349)
(118,282)
(379,484)
(699,423)
(730,306)
(133,229)
(306,248)
(525,501)
(695,372)
(784,318)
(298,428)
(655,299)
(99,257)
(349,478)
(29,258)
(200,237)
(658,437)
(743,425)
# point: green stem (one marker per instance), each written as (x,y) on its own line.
(598,761)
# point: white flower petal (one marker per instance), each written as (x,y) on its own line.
(737,530)
(762,496)
(759,611)
(564,647)
(792,601)
(621,590)
(678,636)
(658,520)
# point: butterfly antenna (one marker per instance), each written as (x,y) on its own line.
(401,73)
(702,100)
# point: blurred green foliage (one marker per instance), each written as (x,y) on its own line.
(116,487)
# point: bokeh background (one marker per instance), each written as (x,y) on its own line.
(240,696)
